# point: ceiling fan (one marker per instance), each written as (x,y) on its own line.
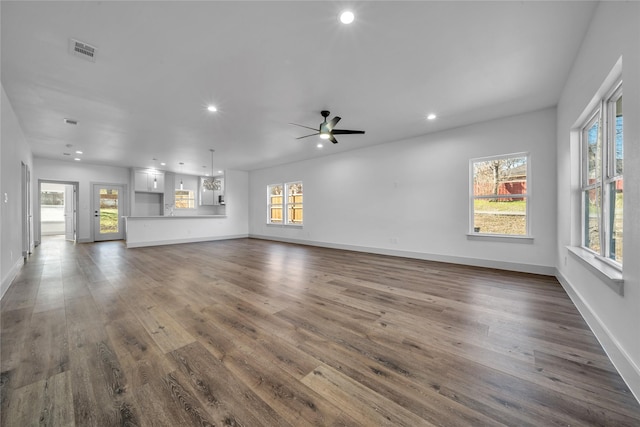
(326,129)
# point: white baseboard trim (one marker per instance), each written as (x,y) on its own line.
(475,262)
(180,241)
(13,272)
(628,370)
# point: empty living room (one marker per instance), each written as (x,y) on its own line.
(358,213)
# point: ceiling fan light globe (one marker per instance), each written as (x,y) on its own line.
(324,136)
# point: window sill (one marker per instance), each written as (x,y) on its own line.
(504,238)
(285,225)
(605,271)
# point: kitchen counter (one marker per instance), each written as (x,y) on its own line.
(167,230)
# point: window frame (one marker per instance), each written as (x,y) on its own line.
(285,205)
(604,114)
(525,196)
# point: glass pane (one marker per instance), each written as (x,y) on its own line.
(185,199)
(109,211)
(592,219)
(275,190)
(591,136)
(275,214)
(500,216)
(500,176)
(615,221)
(295,214)
(618,137)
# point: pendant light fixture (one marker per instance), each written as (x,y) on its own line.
(181,184)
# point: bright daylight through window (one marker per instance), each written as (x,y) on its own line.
(602,181)
(185,199)
(499,195)
(284,203)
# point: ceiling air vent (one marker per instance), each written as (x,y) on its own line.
(82,50)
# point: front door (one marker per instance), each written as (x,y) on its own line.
(107,212)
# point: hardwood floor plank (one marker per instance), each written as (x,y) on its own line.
(45,403)
(45,348)
(227,400)
(366,406)
(140,358)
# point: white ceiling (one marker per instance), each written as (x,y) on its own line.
(265,64)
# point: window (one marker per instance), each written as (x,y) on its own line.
(499,198)
(185,199)
(284,203)
(602,180)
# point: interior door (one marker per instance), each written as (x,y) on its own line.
(107,212)
(69,213)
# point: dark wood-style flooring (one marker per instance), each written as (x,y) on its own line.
(251,333)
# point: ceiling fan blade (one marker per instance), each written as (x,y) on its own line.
(303,126)
(332,139)
(333,122)
(346,131)
(306,136)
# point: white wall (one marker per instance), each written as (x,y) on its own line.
(86,175)
(614,32)
(13,152)
(411,197)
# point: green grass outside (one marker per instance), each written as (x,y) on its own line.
(109,221)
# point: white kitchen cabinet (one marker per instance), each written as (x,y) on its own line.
(148,181)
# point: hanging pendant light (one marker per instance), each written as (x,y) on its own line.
(181,183)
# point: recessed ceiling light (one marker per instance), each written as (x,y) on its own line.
(347,17)
(219,171)
(431,116)
(78,152)
(319,145)
(77,159)
(163,164)
(212,108)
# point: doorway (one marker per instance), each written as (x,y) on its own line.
(58,209)
(107,212)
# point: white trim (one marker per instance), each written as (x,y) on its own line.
(475,262)
(628,370)
(604,270)
(503,238)
(10,277)
(180,241)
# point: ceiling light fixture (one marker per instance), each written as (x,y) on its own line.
(78,152)
(77,159)
(431,116)
(319,145)
(181,184)
(163,164)
(212,108)
(347,17)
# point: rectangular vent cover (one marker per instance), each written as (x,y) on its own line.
(82,50)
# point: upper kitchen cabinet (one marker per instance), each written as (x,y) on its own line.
(148,181)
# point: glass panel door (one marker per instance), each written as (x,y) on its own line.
(107,211)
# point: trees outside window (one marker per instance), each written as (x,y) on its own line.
(602,152)
(499,195)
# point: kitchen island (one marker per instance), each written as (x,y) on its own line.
(168,230)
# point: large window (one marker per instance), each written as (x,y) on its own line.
(284,203)
(499,196)
(602,180)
